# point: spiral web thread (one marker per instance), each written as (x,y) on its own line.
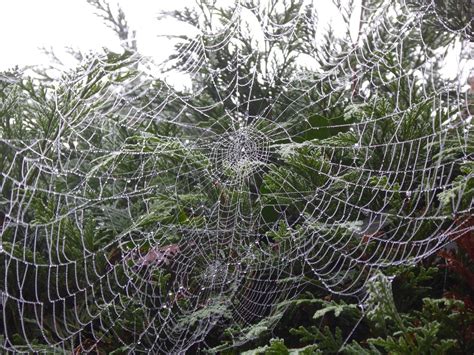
(193,213)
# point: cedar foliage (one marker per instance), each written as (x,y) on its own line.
(422,309)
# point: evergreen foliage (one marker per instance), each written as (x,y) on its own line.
(421,307)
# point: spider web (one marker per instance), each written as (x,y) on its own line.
(152,215)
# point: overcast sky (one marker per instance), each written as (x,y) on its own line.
(27,25)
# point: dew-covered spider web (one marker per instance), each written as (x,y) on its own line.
(309,145)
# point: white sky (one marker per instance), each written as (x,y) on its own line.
(27,25)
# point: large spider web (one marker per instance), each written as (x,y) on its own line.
(151,214)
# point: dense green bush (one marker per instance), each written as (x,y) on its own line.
(105,195)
